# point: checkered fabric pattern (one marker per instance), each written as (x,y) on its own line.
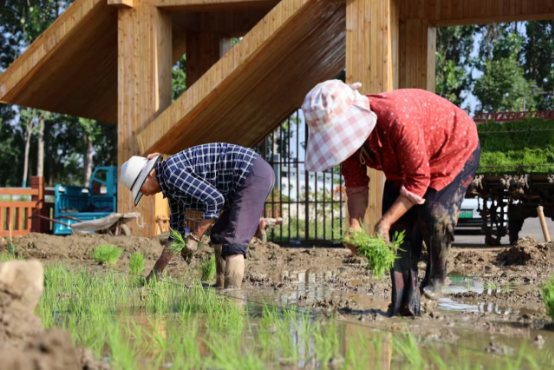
(339,119)
(203,178)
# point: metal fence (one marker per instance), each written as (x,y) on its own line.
(311,204)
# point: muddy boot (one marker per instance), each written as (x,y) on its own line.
(234,271)
(435,274)
(405,289)
(160,265)
(219,267)
(406,300)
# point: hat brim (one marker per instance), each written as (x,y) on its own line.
(141,178)
(346,134)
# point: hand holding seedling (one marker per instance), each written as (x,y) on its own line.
(382,230)
(379,253)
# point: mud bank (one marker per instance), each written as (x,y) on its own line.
(24,344)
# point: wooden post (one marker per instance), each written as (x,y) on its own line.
(144,90)
(203,50)
(371,32)
(417,43)
(544,226)
(37,224)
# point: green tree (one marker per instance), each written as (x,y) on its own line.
(538,56)
(453,60)
(503,85)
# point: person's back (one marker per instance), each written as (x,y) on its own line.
(448,134)
(221,165)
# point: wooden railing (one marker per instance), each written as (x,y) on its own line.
(16,215)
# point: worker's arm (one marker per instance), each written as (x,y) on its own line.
(357,191)
(411,152)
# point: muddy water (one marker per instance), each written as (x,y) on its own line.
(484,327)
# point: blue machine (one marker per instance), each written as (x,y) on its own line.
(96,201)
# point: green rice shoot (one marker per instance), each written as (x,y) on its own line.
(136,263)
(208,269)
(379,254)
(517,147)
(547,294)
(178,243)
(106,254)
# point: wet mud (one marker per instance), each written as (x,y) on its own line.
(490,290)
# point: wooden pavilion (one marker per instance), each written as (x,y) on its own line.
(111,60)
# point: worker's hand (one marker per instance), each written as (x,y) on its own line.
(382,229)
(190,248)
(352,247)
(153,155)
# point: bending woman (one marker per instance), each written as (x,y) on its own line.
(429,151)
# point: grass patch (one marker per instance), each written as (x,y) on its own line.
(195,328)
(5,257)
(547,293)
(136,263)
(208,269)
(106,254)
(178,243)
(380,254)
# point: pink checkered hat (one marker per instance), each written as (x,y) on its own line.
(339,120)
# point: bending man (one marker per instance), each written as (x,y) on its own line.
(229,183)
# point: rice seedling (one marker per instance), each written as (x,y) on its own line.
(178,243)
(208,269)
(491,285)
(380,254)
(136,263)
(5,257)
(547,294)
(519,146)
(106,254)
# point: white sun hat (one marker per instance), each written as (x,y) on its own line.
(339,119)
(134,173)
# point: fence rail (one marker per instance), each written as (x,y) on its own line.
(16,216)
(311,204)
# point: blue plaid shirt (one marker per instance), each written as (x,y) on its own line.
(203,178)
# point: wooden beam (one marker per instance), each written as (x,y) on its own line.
(144,62)
(121,3)
(258,82)
(371,31)
(72,67)
(446,13)
(417,56)
(212,5)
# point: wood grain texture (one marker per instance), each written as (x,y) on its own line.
(417,56)
(144,73)
(212,5)
(72,67)
(121,3)
(372,58)
(258,82)
(443,13)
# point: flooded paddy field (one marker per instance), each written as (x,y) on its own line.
(299,309)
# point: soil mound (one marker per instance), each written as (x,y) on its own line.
(24,344)
(527,251)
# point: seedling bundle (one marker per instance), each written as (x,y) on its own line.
(379,253)
(518,146)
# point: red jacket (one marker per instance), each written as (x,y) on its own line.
(420,140)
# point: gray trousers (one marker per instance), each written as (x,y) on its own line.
(236,226)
